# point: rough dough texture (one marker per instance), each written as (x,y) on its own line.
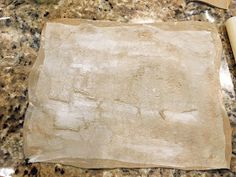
(107,94)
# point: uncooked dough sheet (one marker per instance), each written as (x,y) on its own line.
(108,94)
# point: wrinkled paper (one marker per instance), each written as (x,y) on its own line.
(108,94)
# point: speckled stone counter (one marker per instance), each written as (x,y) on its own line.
(21,22)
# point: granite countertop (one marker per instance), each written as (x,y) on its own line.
(21,22)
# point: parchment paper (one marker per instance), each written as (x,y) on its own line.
(108,94)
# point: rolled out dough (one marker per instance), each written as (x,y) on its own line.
(107,94)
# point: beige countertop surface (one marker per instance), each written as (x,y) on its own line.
(21,22)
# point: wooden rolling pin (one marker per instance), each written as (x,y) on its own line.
(224,4)
(231,29)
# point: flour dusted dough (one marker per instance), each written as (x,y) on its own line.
(107,94)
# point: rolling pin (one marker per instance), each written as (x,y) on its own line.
(231,29)
(224,4)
